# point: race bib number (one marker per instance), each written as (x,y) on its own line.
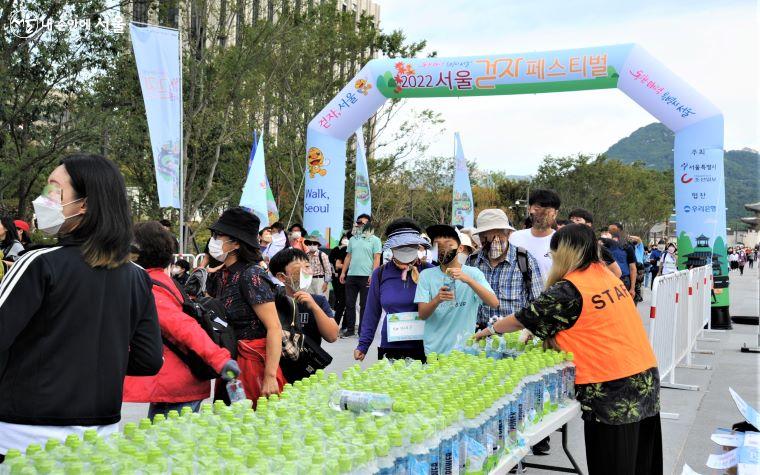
(405,326)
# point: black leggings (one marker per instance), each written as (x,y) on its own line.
(627,449)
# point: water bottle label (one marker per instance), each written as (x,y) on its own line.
(418,467)
(454,467)
(450,458)
(476,455)
(434,462)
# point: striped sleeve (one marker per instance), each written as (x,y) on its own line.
(21,294)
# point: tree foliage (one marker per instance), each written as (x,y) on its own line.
(634,195)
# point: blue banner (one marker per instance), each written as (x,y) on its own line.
(362,194)
(325,187)
(254,196)
(157,57)
(462,206)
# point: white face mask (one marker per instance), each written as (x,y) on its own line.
(49,214)
(295,234)
(421,254)
(405,255)
(176,270)
(344,242)
(462,257)
(215,248)
(313,248)
(661,247)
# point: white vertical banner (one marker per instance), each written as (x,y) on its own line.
(158,66)
(462,205)
(362,194)
(254,196)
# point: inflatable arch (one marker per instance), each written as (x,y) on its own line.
(697,123)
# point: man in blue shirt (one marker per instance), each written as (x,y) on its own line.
(654,260)
(448,296)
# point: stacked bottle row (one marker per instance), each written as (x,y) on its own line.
(507,345)
(457,414)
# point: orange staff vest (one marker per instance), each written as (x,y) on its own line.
(608,339)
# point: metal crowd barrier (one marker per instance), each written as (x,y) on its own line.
(679,311)
(195,261)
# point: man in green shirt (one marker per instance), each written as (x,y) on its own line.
(363,257)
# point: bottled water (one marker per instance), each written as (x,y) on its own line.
(570,379)
(457,414)
(538,391)
(451,282)
(360,401)
(235,390)
(419,462)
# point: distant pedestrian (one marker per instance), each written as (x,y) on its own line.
(742,261)
(733,259)
(668,261)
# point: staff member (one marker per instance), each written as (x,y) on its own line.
(588,311)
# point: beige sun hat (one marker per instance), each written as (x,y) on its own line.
(494,218)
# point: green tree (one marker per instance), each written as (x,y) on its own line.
(634,195)
(45,85)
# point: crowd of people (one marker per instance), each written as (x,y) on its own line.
(740,257)
(108,314)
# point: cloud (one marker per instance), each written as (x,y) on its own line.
(712,45)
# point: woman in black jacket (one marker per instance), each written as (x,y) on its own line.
(77,317)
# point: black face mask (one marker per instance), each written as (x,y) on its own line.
(445,257)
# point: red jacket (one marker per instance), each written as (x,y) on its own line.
(175,382)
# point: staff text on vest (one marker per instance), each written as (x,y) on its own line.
(610,295)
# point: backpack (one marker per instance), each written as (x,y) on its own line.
(522,264)
(195,284)
(212,317)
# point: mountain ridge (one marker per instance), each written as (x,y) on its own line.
(652,145)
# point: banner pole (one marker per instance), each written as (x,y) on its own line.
(181,142)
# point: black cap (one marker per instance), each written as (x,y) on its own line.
(442,230)
(239,224)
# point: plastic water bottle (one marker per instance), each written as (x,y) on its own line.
(449,448)
(538,391)
(235,389)
(418,462)
(384,459)
(570,374)
(474,447)
(360,401)
(398,452)
(450,282)
(493,348)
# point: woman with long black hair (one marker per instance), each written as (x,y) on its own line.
(588,311)
(77,317)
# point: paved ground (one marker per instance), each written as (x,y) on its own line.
(686,439)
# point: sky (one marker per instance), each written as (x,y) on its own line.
(713,45)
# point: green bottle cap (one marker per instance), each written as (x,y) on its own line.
(73,441)
(51,444)
(344,463)
(12,454)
